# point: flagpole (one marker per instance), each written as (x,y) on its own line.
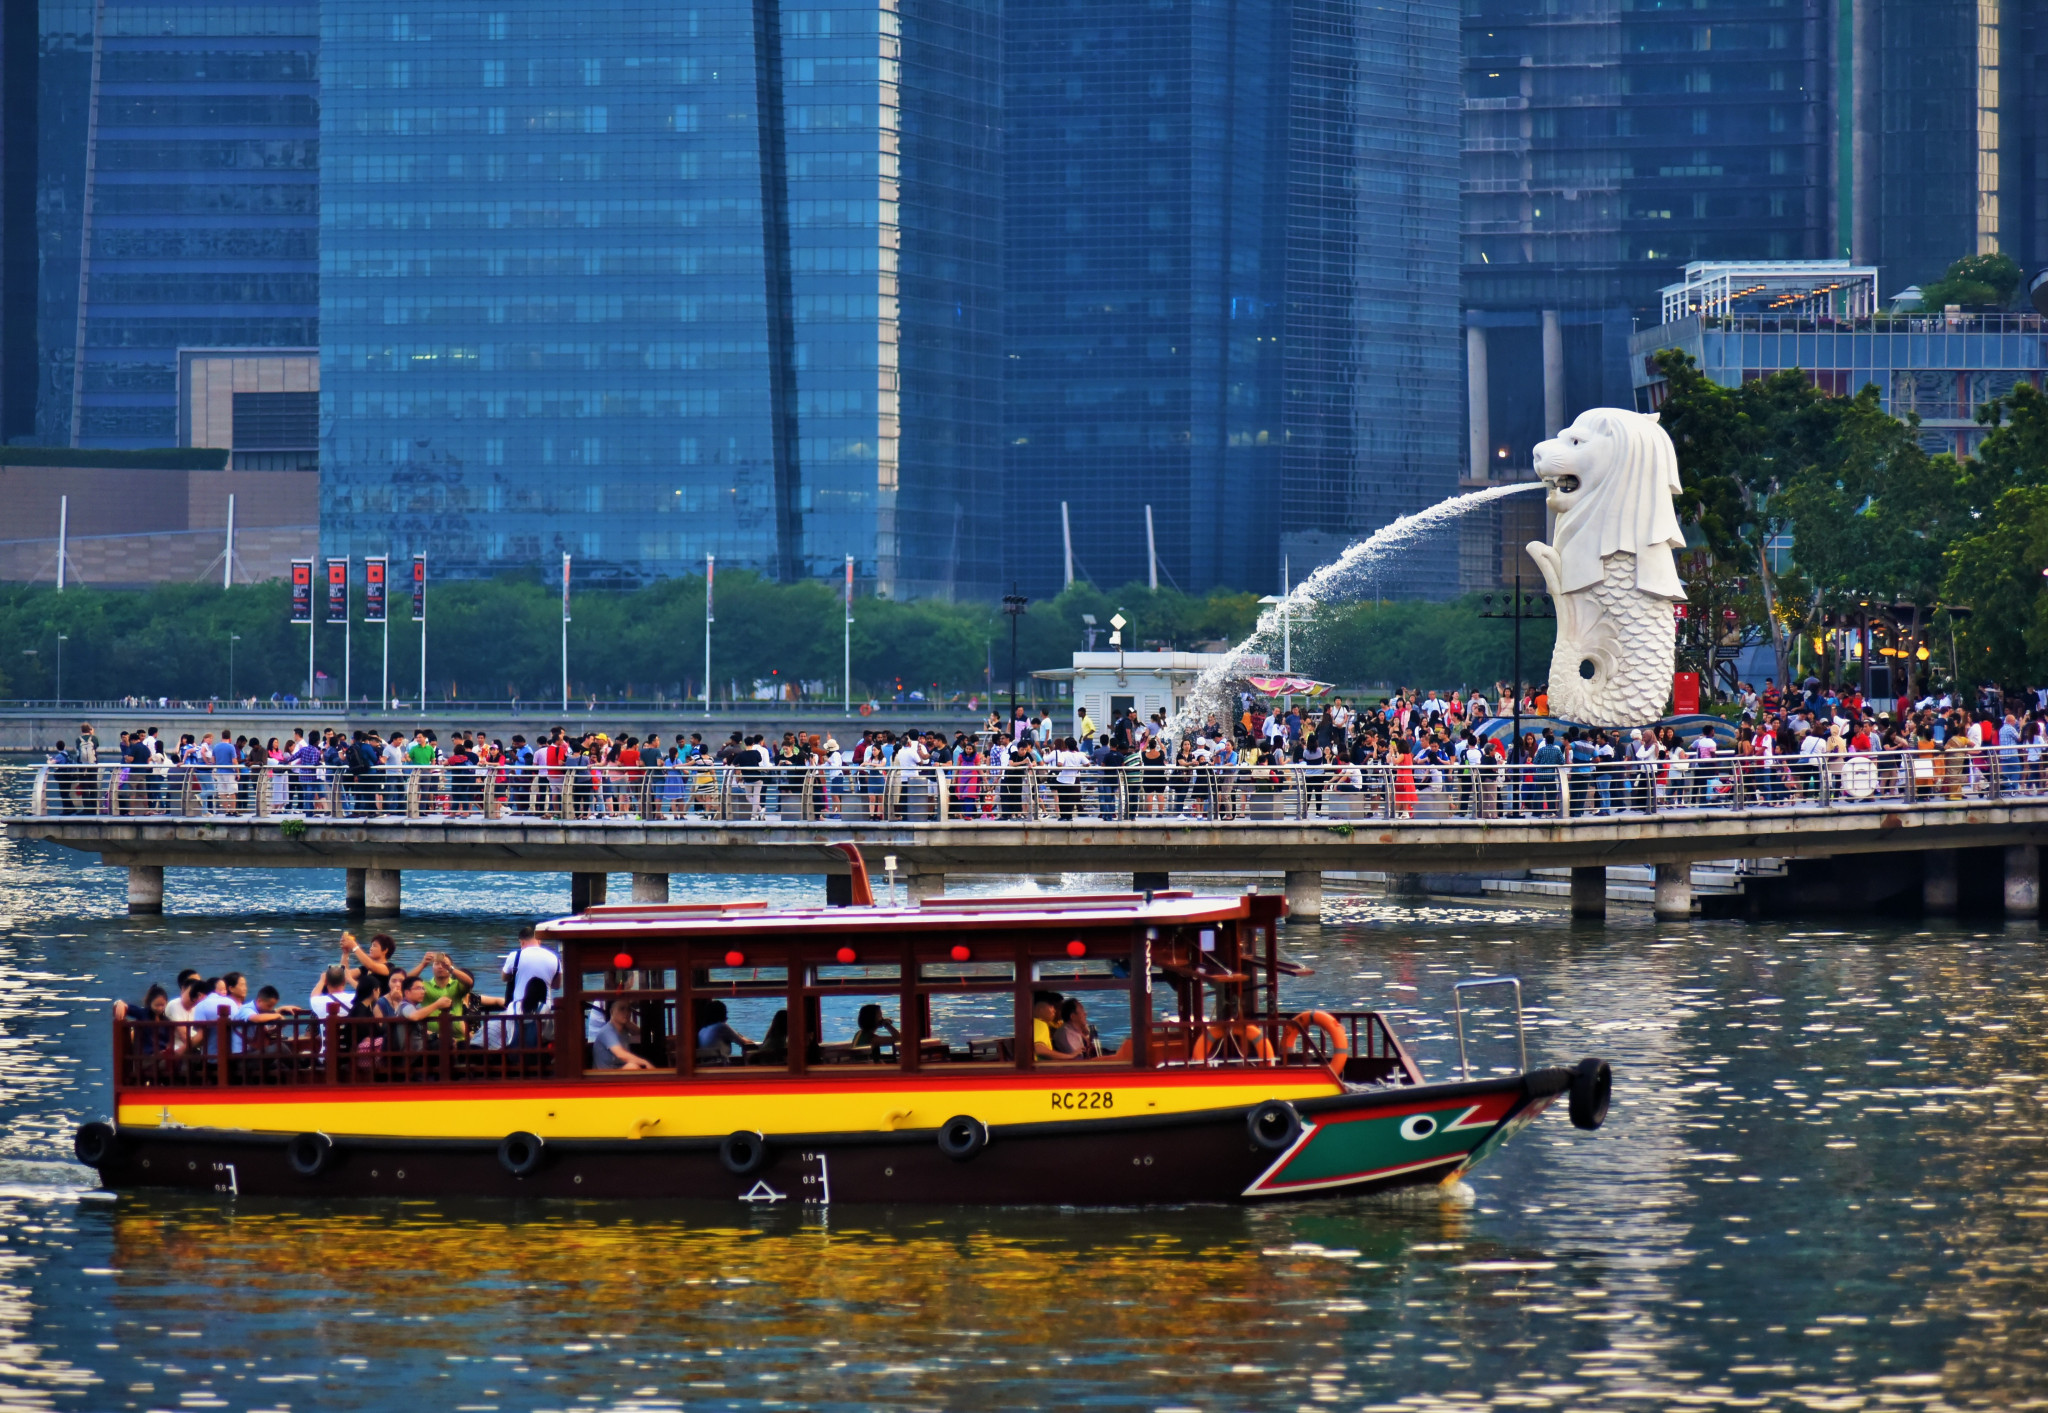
(710,565)
(565,633)
(849,635)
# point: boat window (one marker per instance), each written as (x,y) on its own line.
(1079,969)
(834,974)
(736,976)
(967,971)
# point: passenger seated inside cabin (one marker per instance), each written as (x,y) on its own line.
(1075,1038)
(774,1046)
(715,1036)
(874,1029)
(612,1048)
(1045,1014)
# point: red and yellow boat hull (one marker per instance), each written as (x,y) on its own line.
(1107,1137)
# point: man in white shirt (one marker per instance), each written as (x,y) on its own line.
(530,960)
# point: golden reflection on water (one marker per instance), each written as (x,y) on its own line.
(885,1305)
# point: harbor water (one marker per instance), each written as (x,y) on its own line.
(1823,1185)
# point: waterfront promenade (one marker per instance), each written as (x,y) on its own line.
(1935,832)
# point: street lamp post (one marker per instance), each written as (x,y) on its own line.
(1014,605)
(234,638)
(60,671)
(28,652)
(1517,610)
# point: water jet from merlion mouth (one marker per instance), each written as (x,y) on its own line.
(1343,578)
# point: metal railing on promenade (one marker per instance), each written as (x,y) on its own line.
(117,711)
(704,792)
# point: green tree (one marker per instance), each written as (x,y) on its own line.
(1974,282)
(1738,450)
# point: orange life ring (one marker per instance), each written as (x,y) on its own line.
(1251,1040)
(1296,1032)
(866,709)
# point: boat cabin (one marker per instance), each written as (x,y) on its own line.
(1168,981)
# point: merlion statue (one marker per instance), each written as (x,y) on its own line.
(1611,476)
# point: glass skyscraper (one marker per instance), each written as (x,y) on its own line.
(178,200)
(1606,144)
(638,283)
(1229,293)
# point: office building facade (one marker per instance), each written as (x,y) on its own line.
(18,46)
(639,284)
(1942,107)
(1227,290)
(1605,145)
(179,196)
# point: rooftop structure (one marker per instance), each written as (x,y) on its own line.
(1749,321)
(1803,288)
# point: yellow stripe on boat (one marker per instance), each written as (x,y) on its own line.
(640,1107)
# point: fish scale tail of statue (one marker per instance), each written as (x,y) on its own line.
(1610,478)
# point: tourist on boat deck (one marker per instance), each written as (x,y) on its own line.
(1075,1038)
(714,1035)
(611,1048)
(332,994)
(155,1039)
(873,1029)
(447,982)
(530,961)
(416,1013)
(214,1005)
(1045,1013)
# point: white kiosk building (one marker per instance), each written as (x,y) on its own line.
(1104,684)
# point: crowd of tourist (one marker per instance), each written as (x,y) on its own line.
(1411,754)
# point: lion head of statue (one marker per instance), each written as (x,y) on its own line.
(1611,476)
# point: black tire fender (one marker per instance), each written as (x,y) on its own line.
(962,1137)
(95,1143)
(1592,1087)
(309,1153)
(1273,1125)
(744,1153)
(522,1153)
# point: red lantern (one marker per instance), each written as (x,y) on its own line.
(845,955)
(961,954)
(735,959)
(623,961)
(1077,948)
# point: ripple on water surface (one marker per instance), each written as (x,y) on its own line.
(1823,1186)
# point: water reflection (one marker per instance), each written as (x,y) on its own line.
(1822,1186)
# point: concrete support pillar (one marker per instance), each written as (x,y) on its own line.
(920,886)
(1589,891)
(1674,892)
(380,892)
(1939,892)
(352,891)
(586,891)
(1553,374)
(1153,882)
(145,888)
(1478,414)
(1304,895)
(2023,881)
(650,888)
